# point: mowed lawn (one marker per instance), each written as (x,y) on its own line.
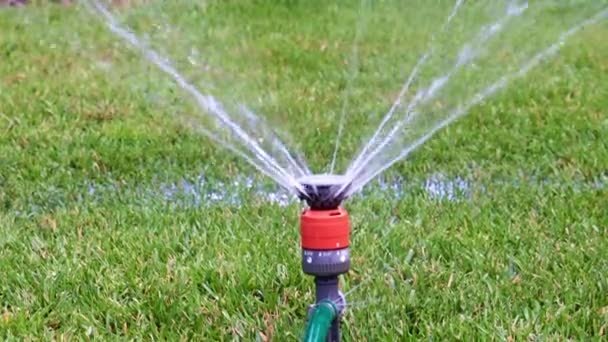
(91,245)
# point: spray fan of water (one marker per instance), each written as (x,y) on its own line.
(471,51)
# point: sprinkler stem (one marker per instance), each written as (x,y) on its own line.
(328,288)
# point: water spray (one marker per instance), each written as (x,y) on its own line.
(325,240)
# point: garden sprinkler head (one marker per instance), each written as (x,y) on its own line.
(325,239)
(325,226)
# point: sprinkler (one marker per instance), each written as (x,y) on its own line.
(325,239)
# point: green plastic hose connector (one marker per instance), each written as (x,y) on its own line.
(323,314)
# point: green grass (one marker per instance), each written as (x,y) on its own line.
(522,257)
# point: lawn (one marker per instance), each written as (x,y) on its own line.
(119,222)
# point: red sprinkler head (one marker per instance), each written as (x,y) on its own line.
(324,230)
(324,227)
(325,238)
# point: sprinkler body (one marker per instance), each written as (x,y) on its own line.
(325,240)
